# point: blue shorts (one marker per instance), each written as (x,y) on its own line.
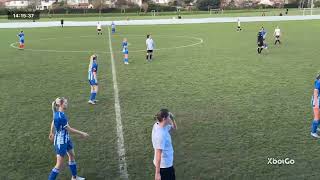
(313,102)
(62,149)
(113,30)
(21,40)
(93,83)
(125,51)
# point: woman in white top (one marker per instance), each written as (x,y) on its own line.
(150,47)
(277,34)
(161,141)
(99,28)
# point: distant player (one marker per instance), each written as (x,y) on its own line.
(239,25)
(264,34)
(21,40)
(113,27)
(150,47)
(260,42)
(99,29)
(315,102)
(61,22)
(93,79)
(125,51)
(277,34)
(59,134)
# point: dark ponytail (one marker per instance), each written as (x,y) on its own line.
(163,113)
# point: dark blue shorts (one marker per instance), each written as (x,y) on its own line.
(22,41)
(93,83)
(62,149)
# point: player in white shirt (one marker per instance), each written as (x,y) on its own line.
(99,29)
(239,25)
(150,47)
(277,34)
(162,145)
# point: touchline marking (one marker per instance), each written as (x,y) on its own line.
(55,51)
(121,148)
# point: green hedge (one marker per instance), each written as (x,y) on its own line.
(292,5)
(161,8)
(317,4)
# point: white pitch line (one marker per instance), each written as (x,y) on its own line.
(200,41)
(121,148)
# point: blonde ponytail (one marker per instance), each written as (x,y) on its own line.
(54,107)
(90,64)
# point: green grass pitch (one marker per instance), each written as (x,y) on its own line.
(234,108)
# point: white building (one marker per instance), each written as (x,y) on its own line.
(16,4)
(161,1)
(138,2)
(45,4)
(111,3)
(77,2)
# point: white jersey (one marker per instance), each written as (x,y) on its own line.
(98,26)
(277,32)
(150,44)
(161,139)
(238,22)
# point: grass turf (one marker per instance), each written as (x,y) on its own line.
(234,108)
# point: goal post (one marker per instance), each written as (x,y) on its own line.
(310,11)
(215,11)
(153,12)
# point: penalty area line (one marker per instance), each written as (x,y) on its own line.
(120,140)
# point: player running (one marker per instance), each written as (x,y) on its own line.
(59,134)
(239,26)
(125,51)
(21,40)
(99,29)
(277,34)
(315,102)
(93,80)
(260,42)
(113,27)
(150,47)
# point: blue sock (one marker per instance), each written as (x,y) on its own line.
(73,168)
(93,96)
(314,126)
(126,60)
(53,174)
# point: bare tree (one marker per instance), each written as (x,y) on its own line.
(33,4)
(98,4)
(145,7)
(121,3)
(2,5)
(54,6)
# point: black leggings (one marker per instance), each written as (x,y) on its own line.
(167,173)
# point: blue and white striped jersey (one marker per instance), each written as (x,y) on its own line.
(61,135)
(92,68)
